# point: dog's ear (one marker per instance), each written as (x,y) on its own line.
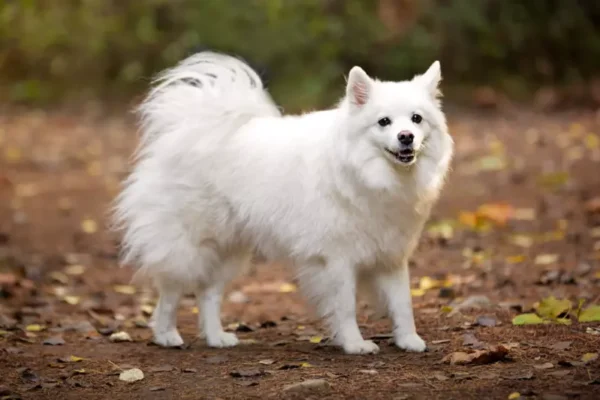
(358,89)
(431,79)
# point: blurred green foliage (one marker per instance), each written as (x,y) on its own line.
(57,49)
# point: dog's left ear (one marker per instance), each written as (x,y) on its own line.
(431,79)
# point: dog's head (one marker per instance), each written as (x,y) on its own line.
(395,120)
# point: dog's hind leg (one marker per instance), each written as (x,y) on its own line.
(209,296)
(164,318)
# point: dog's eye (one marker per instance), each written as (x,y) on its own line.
(385,121)
(416,118)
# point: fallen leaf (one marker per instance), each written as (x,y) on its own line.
(75,269)
(54,341)
(545,259)
(552,307)
(479,357)
(561,346)
(310,385)
(590,314)
(547,365)
(287,288)
(498,213)
(514,395)
(527,319)
(89,226)
(522,240)
(440,376)
(124,289)
(589,357)
(516,259)
(559,374)
(442,229)
(417,292)
(121,336)
(316,339)
(368,371)
(162,368)
(132,375)
(266,362)
(72,300)
(35,328)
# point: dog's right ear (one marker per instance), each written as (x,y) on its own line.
(358,89)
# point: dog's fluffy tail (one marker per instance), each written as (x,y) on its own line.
(205,92)
(204,99)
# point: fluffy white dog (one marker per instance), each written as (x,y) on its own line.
(341,195)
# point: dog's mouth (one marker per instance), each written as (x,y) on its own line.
(404,156)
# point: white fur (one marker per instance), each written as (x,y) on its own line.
(221,175)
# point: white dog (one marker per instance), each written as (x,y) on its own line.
(342,195)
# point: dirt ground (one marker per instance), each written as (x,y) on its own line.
(537,235)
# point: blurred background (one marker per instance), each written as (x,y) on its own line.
(73,50)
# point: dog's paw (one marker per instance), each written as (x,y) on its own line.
(222,339)
(411,342)
(168,339)
(361,347)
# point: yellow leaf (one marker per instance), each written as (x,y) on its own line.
(89,226)
(195,310)
(498,213)
(522,241)
(316,339)
(591,141)
(59,277)
(552,307)
(148,309)
(75,269)
(545,259)
(516,259)
(590,314)
(4,333)
(468,218)
(417,292)
(124,289)
(442,229)
(446,309)
(72,300)
(12,154)
(554,180)
(75,359)
(427,283)
(287,288)
(527,319)
(35,328)
(514,395)
(80,371)
(589,357)
(305,365)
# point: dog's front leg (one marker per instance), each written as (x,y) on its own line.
(394,288)
(332,287)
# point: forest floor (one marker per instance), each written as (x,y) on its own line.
(517,230)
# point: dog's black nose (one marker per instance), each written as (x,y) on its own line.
(406,138)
